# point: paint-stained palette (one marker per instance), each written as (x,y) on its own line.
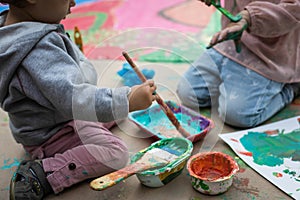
(159,177)
(155,122)
(272,150)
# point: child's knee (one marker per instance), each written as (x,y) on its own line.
(190,98)
(120,154)
(184,94)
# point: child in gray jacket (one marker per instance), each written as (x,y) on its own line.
(56,111)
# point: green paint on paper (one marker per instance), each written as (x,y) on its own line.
(270,150)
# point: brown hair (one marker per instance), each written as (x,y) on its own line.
(17,3)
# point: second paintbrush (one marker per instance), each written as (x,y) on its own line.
(159,100)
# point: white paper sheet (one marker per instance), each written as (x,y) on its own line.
(273,155)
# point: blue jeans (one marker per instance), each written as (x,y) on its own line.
(242,97)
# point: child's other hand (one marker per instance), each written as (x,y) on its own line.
(233,31)
(141,96)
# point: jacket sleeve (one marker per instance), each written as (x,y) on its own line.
(271,20)
(65,82)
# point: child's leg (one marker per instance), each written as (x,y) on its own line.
(248,99)
(199,85)
(80,151)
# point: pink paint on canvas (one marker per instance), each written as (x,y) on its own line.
(148,15)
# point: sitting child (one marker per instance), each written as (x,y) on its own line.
(252,71)
(56,111)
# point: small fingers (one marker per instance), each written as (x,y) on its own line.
(153,97)
(149,82)
(214,39)
(223,35)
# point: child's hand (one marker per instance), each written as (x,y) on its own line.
(233,31)
(141,96)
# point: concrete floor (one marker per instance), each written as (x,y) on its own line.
(247,183)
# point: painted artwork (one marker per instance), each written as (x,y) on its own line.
(273,151)
(152,30)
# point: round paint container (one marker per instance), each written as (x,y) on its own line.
(212,172)
(180,147)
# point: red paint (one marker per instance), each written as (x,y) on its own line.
(272,132)
(246,153)
(242,170)
(235,140)
(212,166)
(277,174)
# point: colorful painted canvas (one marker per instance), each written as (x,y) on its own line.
(152,30)
(272,150)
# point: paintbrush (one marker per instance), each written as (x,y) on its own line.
(152,159)
(231,17)
(159,100)
(78,38)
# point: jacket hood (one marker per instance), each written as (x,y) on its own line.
(16,42)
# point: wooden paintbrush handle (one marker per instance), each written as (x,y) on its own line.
(159,100)
(113,178)
(78,38)
(167,111)
(134,67)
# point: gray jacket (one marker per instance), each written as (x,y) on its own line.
(45,81)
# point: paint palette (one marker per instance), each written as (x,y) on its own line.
(181,147)
(155,122)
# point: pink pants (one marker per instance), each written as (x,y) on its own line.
(80,150)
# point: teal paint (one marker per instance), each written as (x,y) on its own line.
(293,174)
(85,172)
(157,120)
(7,165)
(270,150)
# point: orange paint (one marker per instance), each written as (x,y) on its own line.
(213,166)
